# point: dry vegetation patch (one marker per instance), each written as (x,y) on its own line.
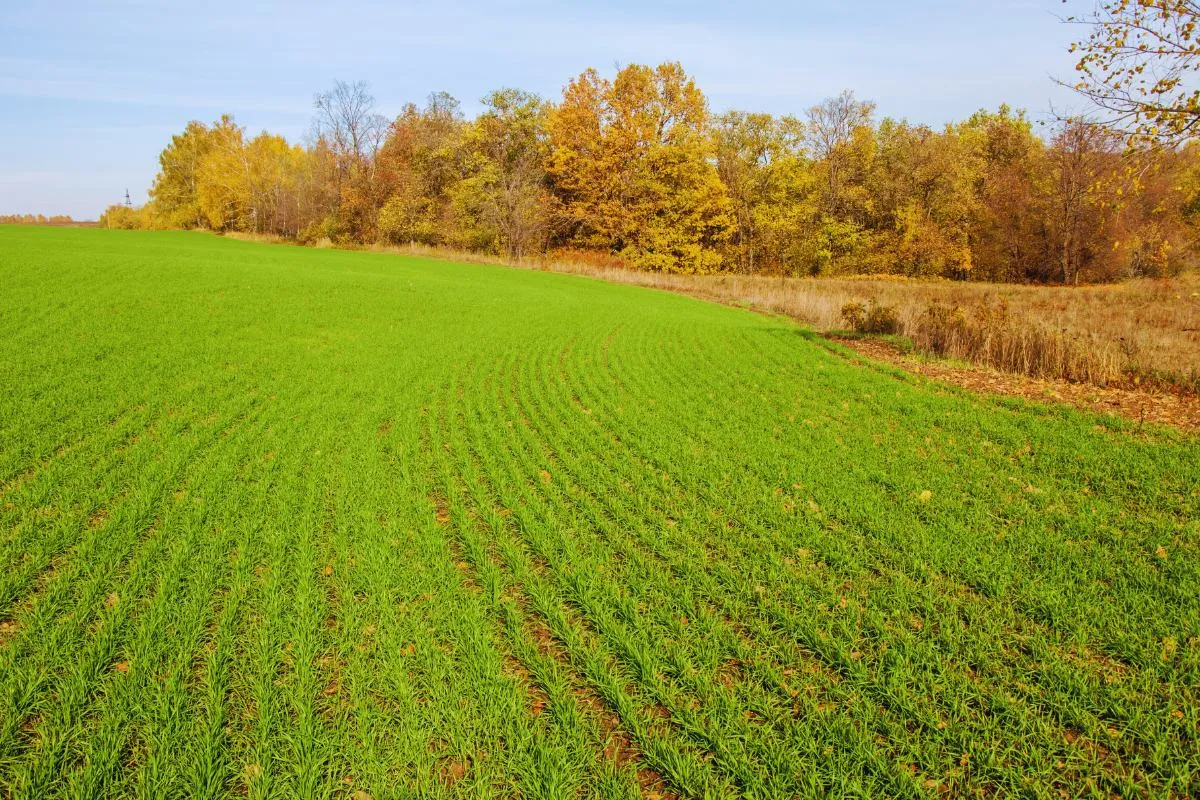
(1138,404)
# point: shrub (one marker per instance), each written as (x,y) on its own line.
(940,329)
(120,217)
(316,232)
(872,318)
(854,314)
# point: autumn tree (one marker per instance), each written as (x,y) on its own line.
(840,137)
(837,135)
(277,182)
(39,219)
(420,165)
(223,193)
(506,188)
(351,132)
(771,187)
(632,165)
(1012,185)
(213,177)
(922,189)
(1155,234)
(346,119)
(1085,170)
(1139,63)
(176,188)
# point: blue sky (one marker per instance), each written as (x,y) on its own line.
(91,91)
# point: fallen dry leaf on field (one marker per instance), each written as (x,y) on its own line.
(454,771)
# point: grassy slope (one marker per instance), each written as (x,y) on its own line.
(308,523)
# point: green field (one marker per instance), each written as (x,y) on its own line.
(284,522)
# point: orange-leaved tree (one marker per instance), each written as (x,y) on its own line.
(634,169)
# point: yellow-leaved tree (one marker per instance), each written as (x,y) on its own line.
(505,190)
(223,179)
(634,169)
(176,188)
(772,190)
(419,166)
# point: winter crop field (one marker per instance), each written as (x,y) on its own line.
(287,522)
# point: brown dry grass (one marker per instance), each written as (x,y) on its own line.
(1136,333)
(1138,405)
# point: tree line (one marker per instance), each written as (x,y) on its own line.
(37,219)
(637,168)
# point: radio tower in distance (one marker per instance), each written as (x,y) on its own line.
(128,202)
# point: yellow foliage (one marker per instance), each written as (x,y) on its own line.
(633,165)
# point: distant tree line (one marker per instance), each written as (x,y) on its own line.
(36,219)
(637,168)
